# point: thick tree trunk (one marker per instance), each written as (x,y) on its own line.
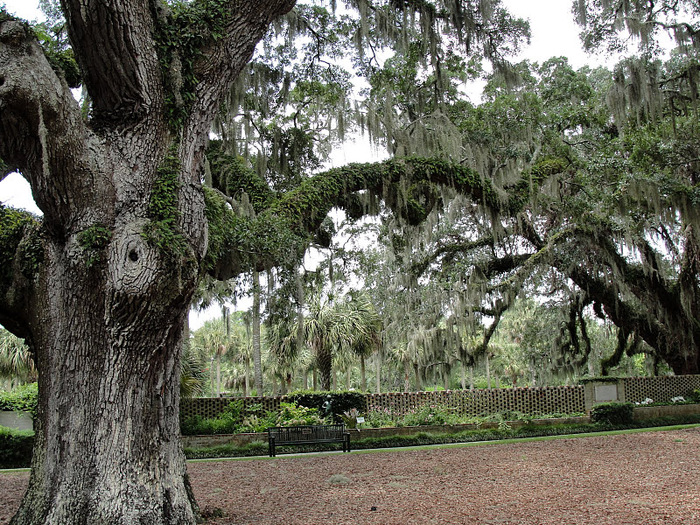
(103,298)
(107,444)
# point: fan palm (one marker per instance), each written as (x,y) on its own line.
(350,325)
(16,361)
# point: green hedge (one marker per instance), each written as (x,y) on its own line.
(15,447)
(23,399)
(427,438)
(613,413)
(341,402)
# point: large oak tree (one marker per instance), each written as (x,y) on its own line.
(100,286)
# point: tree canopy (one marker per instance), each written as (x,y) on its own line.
(571,183)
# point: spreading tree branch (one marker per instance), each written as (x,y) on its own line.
(42,133)
(402,182)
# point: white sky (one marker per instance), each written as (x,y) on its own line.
(553,34)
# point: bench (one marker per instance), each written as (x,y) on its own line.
(308,434)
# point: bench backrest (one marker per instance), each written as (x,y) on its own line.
(306,432)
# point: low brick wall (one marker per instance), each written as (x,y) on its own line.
(666,411)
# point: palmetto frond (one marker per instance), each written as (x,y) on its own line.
(16,361)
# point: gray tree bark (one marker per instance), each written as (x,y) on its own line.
(104,315)
(257,353)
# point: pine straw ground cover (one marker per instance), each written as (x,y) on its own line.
(635,478)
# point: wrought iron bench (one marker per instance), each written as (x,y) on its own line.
(305,435)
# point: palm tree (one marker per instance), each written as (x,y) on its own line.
(192,376)
(211,343)
(16,361)
(349,325)
(364,321)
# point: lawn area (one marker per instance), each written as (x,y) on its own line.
(627,478)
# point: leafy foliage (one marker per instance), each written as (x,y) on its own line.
(162,230)
(15,448)
(19,242)
(54,42)
(237,418)
(93,240)
(23,398)
(185,29)
(340,402)
(613,413)
(16,361)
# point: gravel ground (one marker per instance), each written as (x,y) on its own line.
(645,478)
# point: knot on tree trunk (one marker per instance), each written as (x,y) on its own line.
(135,267)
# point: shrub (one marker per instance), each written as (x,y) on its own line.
(379,418)
(341,402)
(613,413)
(23,398)
(236,419)
(429,415)
(695,395)
(15,447)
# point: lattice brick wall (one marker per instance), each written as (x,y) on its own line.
(480,402)
(659,389)
(211,407)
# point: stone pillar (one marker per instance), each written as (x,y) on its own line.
(603,391)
